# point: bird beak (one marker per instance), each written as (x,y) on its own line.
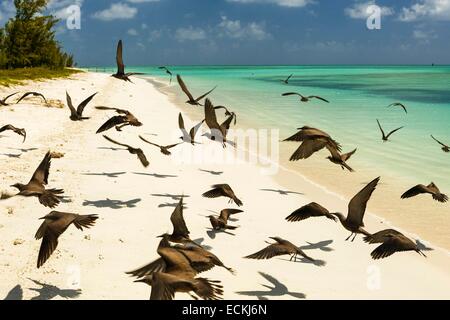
(161,236)
(43,218)
(139,280)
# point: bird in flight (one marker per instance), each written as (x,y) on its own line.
(286,81)
(398,104)
(3,101)
(191,101)
(304,98)
(384,136)
(311,210)
(34,94)
(422,189)
(164,149)
(36,187)
(279,248)
(125,118)
(120,74)
(188,137)
(221,222)
(18,131)
(168,72)
(77,114)
(445,147)
(218,131)
(341,159)
(54,225)
(223,190)
(138,152)
(228,113)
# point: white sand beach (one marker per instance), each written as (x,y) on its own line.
(134,206)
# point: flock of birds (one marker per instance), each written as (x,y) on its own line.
(180,258)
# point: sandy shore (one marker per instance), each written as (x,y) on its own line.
(134,209)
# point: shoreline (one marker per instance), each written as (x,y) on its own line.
(284,178)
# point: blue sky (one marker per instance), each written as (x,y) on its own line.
(254,31)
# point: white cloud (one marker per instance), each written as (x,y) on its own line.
(283,3)
(190,34)
(58,8)
(116,11)
(427,9)
(424,36)
(234,29)
(132,32)
(359,10)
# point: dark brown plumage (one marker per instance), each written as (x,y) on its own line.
(341,159)
(34,94)
(138,152)
(180,232)
(55,224)
(279,248)
(188,137)
(304,98)
(77,114)
(164,149)
(228,113)
(430,189)
(168,72)
(3,101)
(221,222)
(398,104)
(218,131)
(18,131)
(391,241)
(310,210)
(120,74)
(191,101)
(381,236)
(286,81)
(445,147)
(125,118)
(384,136)
(36,187)
(223,190)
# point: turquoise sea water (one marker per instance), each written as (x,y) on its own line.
(358,94)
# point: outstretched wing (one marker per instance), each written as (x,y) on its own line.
(202,96)
(291,94)
(357,206)
(381,129)
(414,191)
(119,59)
(308,148)
(444,145)
(115,142)
(184,88)
(82,105)
(36,94)
(177,219)
(269,252)
(70,105)
(393,131)
(11,95)
(41,174)
(226,213)
(111,123)
(195,129)
(210,116)
(320,98)
(155,266)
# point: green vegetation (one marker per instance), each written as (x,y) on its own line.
(28,40)
(18,76)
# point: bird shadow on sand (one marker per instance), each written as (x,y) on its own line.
(112,204)
(105,174)
(316,262)
(214,173)
(48,292)
(11,155)
(155,175)
(170,205)
(111,148)
(15,294)
(282,192)
(322,246)
(200,241)
(422,246)
(213,233)
(277,289)
(175,197)
(24,150)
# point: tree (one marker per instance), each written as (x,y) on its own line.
(29,39)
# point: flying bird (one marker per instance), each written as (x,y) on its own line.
(313,140)
(140,154)
(191,101)
(391,241)
(125,118)
(180,233)
(223,190)
(228,113)
(36,187)
(286,81)
(386,137)
(77,114)
(54,225)
(221,222)
(279,248)
(341,159)
(218,131)
(445,147)
(164,149)
(188,137)
(34,94)
(309,211)
(304,98)
(18,131)
(422,189)
(398,104)
(168,72)
(120,74)
(3,101)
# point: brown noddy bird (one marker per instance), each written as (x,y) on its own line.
(34,94)
(125,118)
(341,159)
(18,131)
(120,74)
(279,248)
(286,81)
(192,101)
(384,136)
(188,137)
(54,225)
(3,101)
(422,189)
(77,114)
(304,98)
(168,72)
(398,104)
(223,190)
(221,222)
(445,147)
(308,211)
(138,152)
(164,149)
(228,113)
(36,187)
(218,131)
